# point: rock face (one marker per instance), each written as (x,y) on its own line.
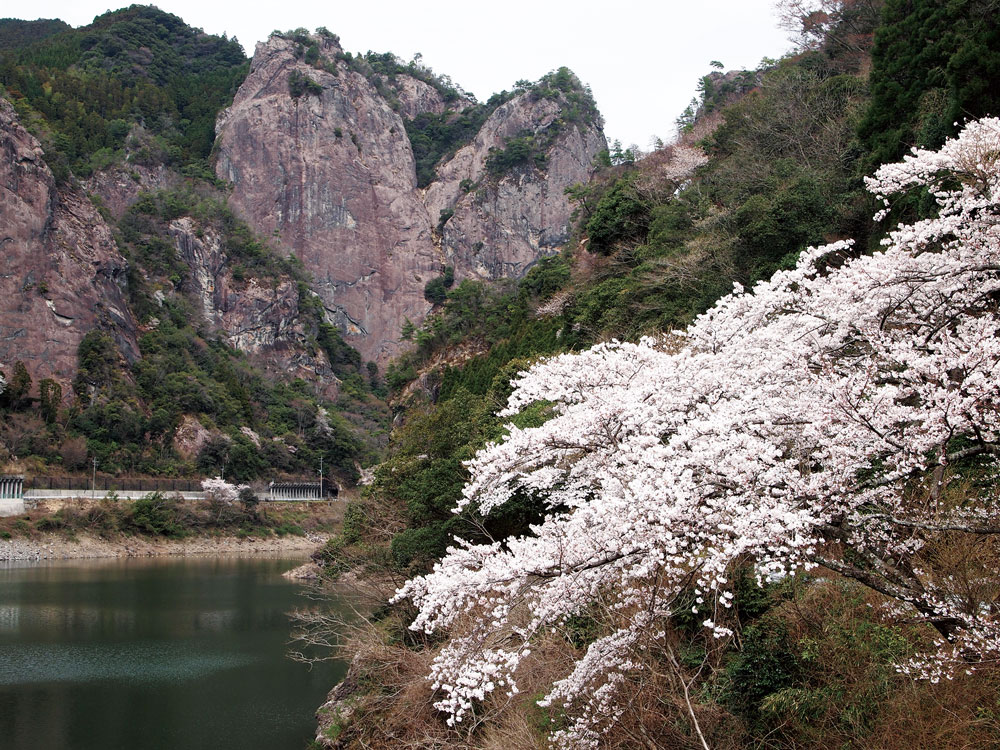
(61,273)
(258,316)
(190,437)
(416,97)
(119,187)
(320,161)
(330,173)
(502,225)
(144,170)
(332,176)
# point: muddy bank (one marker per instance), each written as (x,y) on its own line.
(57,547)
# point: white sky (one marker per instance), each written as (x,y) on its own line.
(642,59)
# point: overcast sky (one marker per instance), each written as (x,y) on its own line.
(642,59)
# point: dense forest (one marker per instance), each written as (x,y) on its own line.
(84,89)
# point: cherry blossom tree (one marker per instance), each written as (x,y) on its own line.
(812,421)
(221,491)
(667,169)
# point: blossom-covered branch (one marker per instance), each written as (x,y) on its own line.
(785,430)
(221,491)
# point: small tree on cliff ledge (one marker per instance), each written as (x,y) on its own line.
(813,421)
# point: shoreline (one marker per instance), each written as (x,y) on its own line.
(56,546)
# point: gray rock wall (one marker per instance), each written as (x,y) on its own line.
(331,176)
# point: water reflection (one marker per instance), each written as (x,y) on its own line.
(160,653)
(136,663)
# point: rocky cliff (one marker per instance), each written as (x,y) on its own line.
(316,147)
(331,175)
(61,273)
(259,315)
(414,96)
(317,150)
(502,221)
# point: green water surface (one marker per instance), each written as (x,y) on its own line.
(184,654)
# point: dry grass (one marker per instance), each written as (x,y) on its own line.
(846,695)
(851,695)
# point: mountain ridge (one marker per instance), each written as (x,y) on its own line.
(318,141)
(340,249)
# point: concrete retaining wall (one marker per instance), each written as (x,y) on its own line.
(11,506)
(88,495)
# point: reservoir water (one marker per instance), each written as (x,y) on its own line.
(154,654)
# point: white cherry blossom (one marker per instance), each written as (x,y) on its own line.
(780,427)
(221,491)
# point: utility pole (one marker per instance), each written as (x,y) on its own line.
(321,495)
(93,481)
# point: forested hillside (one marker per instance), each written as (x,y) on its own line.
(223,361)
(657,606)
(86,88)
(186,285)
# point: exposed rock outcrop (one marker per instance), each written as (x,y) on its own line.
(258,316)
(190,437)
(61,273)
(331,174)
(416,97)
(319,159)
(119,186)
(503,224)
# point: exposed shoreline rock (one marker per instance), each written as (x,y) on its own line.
(306,572)
(87,546)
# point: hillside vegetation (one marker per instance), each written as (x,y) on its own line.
(85,89)
(769,162)
(138,90)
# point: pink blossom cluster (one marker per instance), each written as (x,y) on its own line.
(221,491)
(684,160)
(668,168)
(781,431)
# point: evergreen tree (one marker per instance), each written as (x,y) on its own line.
(934,65)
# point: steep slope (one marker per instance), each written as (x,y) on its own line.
(86,87)
(504,192)
(61,273)
(180,343)
(330,173)
(317,150)
(188,247)
(158,306)
(666,235)
(122,95)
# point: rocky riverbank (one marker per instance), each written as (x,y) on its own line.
(59,547)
